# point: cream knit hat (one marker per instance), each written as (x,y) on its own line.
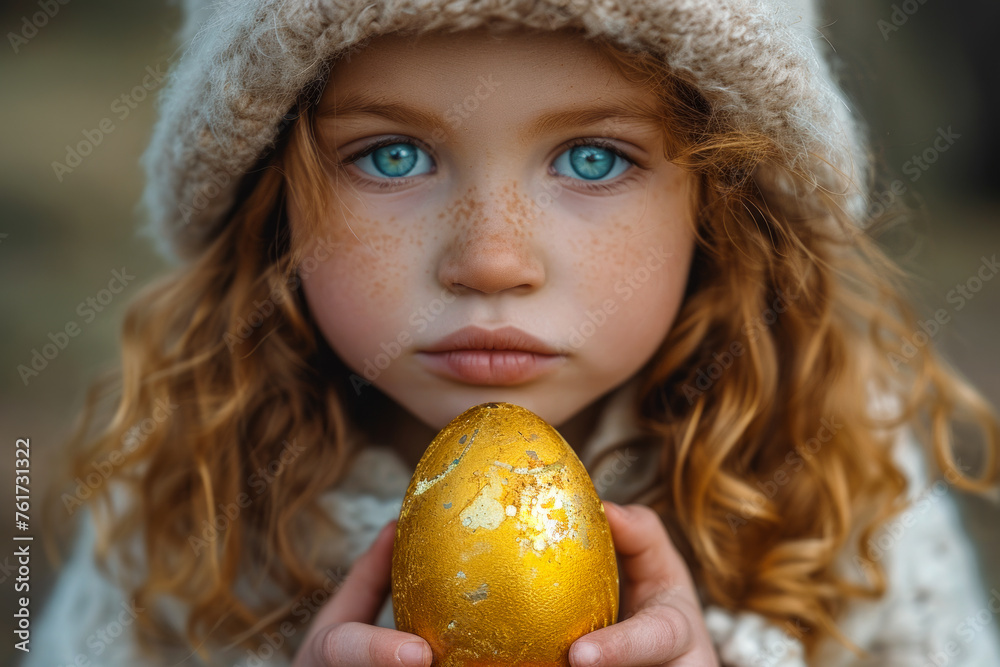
(761,64)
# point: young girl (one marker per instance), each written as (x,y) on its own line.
(644,221)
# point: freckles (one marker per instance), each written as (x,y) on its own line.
(512,216)
(608,255)
(373,262)
(460,213)
(518,209)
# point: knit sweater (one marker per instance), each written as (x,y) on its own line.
(936,611)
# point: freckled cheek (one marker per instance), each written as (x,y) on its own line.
(631,258)
(636,276)
(378,256)
(358,301)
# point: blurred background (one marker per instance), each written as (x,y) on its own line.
(920,71)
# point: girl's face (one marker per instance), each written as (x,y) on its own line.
(484,184)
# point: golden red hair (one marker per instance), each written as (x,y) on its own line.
(815,306)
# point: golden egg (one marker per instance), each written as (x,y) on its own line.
(503,554)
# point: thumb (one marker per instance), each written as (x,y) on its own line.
(364,590)
(647,554)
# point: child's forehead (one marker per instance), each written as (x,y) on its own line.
(485,50)
(556,78)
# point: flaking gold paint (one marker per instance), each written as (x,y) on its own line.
(503,554)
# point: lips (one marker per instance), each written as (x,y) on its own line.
(505,356)
(504,338)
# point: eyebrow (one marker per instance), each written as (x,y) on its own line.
(550,121)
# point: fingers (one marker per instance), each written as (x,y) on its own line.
(363,592)
(341,633)
(648,557)
(359,645)
(666,625)
(654,636)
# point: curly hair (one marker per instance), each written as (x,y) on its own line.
(791,317)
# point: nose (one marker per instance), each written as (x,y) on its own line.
(492,246)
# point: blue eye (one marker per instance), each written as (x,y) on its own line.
(399,158)
(591,162)
(394,159)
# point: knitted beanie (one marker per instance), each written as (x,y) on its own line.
(760,64)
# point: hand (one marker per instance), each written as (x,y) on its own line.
(343,634)
(663,622)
